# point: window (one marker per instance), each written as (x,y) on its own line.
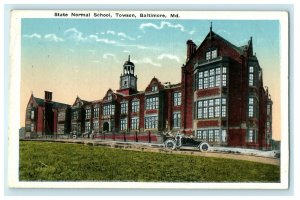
(217,135)
(32,127)
(208,54)
(135,106)
(205,80)
(200,109)
(268,127)
(60,128)
(109,97)
(251,136)
(224,105)
(200,80)
(96,112)
(224,135)
(124,108)
(96,125)
(32,114)
(211,135)
(214,54)
(217,107)
(204,135)
(205,108)
(251,107)
(218,76)
(152,103)
(251,76)
(135,123)
(211,54)
(268,109)
(154,88)
(176,120)
(210,108)
(199,134)
(177,98)
(151,122)
(212,78)
(123,124)
(88,114)
(87,126)
(108,109)
(224,76)
(75,115)
(61,115)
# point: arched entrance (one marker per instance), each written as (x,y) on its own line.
(106,127)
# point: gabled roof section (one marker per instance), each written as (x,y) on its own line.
(82,102)
(40,102)
(154,82)
(212,34)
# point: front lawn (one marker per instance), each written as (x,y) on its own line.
(48,161)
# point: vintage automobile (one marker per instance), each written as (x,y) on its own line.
(179,140)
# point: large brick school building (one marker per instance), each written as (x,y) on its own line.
(221,99)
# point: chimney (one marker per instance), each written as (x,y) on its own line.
(48,96)
(191,49)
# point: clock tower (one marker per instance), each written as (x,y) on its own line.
(128,81)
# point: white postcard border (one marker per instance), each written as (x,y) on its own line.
(14,101)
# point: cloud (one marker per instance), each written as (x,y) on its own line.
(52,38)
(96,61)
(121,34)
(111,32)
(169,56)
(73,33)
(126,51)
(192,32)
(34,35)
(110,55)
(103,40)
(48,37)
(147,61)
(162,25)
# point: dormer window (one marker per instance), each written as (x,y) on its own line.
(154,88)
(214,54)
(208,55)
(211,54)
(32,114)
(109,97)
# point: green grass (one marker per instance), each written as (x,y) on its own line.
(45,161)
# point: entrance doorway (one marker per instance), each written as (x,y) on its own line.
(106,127)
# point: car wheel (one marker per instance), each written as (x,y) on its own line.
(170,144)
(204,147)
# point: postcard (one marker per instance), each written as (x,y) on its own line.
(148,99)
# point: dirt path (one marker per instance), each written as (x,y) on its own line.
(265,160)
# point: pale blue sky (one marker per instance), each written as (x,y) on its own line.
(120,37)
